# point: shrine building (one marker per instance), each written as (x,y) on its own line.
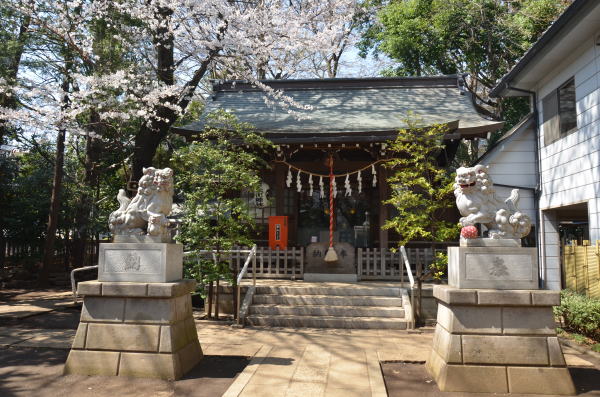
(353,120)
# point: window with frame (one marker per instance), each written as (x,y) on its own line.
(559,112)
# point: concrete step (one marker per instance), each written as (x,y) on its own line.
(329,300)
(354,290)
(328,310)
(327,322)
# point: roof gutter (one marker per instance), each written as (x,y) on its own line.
(538,189)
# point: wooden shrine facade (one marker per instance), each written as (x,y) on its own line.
(353,121)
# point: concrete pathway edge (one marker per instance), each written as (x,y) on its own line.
(243,378)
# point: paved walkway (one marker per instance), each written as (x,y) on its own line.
(286,362)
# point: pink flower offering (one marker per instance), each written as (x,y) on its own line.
(469,232)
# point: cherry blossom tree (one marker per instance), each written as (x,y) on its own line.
(121,72)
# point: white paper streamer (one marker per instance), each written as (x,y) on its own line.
(310,185)
(322,187)
(374,175)
(347,186)
(289,177)
(298,182)
(359,180)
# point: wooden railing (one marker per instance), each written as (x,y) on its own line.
(286,264)
(386,264)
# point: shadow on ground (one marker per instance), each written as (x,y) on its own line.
(38,372)
(411,379)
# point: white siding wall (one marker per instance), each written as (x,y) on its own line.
(570,166)
(513,163)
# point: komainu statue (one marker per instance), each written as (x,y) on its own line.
(147,212)
(477,202)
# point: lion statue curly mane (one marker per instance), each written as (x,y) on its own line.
(147,212)
(477,202)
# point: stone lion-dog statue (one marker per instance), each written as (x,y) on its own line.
(147,212)
(477,202)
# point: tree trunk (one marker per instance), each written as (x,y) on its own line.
(54,210)
(84,207)
(210,299)
(217,300)
(146,143)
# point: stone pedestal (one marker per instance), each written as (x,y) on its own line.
(135,329)
(342,270)
(497,341)
(140,262)
(497,267)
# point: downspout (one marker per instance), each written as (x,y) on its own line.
(538,189)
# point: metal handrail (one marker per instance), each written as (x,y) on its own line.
(411,279)
(73,285)
(244,270)
(251,257)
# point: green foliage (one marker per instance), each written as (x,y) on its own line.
(211,175)
(481,37)
(421,191)
(579,314)
(25,196)
(439,266)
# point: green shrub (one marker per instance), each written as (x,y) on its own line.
(579,314)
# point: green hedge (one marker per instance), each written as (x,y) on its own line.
(579,314)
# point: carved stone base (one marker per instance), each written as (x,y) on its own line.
(135,329)
(140,262)
(315,259)
(493,267)
(491,341)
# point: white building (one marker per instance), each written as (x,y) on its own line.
(554,154)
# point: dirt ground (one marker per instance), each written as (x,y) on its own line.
(26,372)
(411,379)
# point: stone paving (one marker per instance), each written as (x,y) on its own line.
(286,361)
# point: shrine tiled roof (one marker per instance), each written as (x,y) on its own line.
(351,106)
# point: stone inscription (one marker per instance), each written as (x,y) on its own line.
(126,261)
(498,267)
(315,259)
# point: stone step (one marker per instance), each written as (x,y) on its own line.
(329,300)
(328,310)
(329,290)
(326,322)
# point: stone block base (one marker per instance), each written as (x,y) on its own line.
(493,267)
(135,329)
(490,341)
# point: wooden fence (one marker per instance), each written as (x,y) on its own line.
(385,264)
(372,263)
(13,253)
(581,268)
(285,264)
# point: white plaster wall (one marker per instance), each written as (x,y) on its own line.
(570,166)
(513,163)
